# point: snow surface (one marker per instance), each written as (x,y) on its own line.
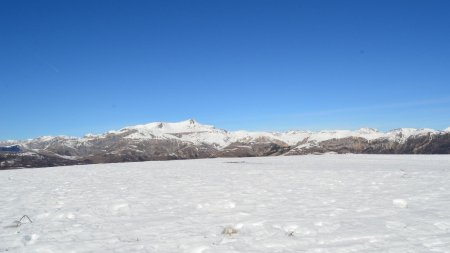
(327,203)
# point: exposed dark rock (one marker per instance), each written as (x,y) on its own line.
(116,146)
(11,149)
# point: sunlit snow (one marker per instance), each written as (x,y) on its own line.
(328,203)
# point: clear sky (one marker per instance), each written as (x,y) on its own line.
(74,67)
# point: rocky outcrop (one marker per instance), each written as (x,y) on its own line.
(422,144)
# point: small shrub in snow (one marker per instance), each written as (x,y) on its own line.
(229,231)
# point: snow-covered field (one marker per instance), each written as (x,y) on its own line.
(328,203)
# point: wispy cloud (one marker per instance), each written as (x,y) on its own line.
(51,66)
(309,116)
(43,61)
(408,104)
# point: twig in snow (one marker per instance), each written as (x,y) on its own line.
(25,216)
(18,223)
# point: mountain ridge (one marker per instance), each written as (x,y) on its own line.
(190,139)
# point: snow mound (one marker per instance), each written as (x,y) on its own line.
(401,203)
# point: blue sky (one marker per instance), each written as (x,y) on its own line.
(73,67)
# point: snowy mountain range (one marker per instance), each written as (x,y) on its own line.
(190,139)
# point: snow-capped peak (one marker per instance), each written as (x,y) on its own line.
(411,131)
(367,130)
(185,126)
(197,133)
(166,129)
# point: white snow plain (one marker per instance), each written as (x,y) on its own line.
(328,203)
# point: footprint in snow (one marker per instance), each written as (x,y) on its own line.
(29,239)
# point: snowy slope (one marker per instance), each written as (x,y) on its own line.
(192,131)
(330,203)
(196,133)
(190,139)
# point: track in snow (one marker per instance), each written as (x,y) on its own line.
(329,203)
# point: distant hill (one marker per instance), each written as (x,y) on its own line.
(14,148)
